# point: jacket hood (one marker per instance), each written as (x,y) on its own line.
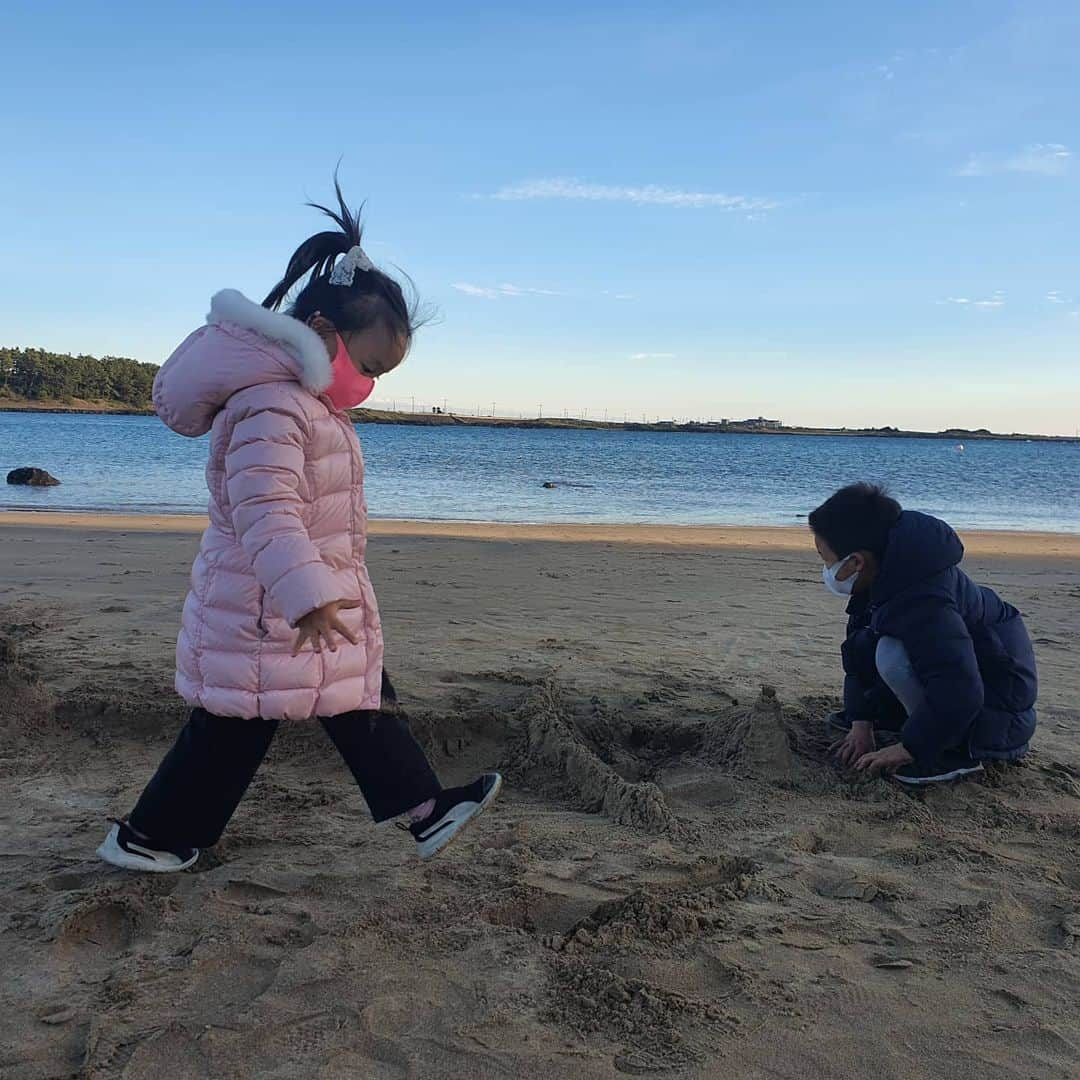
(920,547)
(242,345)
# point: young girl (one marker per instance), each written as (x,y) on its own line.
(281,621)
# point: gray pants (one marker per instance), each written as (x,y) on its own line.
(894,667)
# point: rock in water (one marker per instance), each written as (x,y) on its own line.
(32,478)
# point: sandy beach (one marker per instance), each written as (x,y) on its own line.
(677,882)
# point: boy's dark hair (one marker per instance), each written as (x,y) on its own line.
(857,518)
(373,297)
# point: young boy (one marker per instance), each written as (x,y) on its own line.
(929,654)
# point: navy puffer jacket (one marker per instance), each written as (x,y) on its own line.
(969,649)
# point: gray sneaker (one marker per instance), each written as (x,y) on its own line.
(124,848)
(454,809)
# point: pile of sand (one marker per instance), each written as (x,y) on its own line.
(663,915)
(757,742)
(26,705)
(542,739)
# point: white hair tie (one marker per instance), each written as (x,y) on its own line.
(345,270)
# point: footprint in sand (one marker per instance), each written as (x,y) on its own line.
(173,1052)
(243,891)
(841,886)
(108,926)
(312,1035)
(68,882)
(547,907)
(228,981)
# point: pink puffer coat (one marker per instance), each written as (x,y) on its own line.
(288,520)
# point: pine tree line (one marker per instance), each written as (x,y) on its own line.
(44,376)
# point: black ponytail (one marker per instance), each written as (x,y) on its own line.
(373,296)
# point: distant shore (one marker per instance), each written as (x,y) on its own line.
(734,427)
(102,408)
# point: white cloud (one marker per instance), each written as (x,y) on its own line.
(520,290)
(1055,297)
(476,290)
(485,292)
(496,292)
(1045,159)
(887,69)
(995,300)
(652,356)
(648,195)
(1051,159)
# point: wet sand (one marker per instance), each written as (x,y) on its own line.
(777,538)
(677,882)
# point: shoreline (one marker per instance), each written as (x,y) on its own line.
(739,537)
(691,427)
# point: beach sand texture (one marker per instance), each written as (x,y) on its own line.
(675,883)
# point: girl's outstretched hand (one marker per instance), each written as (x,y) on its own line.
(320,625)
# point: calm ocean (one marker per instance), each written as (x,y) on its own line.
(495,474)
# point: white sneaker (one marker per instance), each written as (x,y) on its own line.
(454,809)
(122,848)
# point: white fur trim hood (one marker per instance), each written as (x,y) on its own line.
(231,306)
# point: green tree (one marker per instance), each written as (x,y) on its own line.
(43,376)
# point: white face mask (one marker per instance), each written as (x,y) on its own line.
(838,588)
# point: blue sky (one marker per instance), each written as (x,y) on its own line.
(841,213)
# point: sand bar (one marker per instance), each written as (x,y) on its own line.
(742,537)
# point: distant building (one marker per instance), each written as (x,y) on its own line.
(760,422)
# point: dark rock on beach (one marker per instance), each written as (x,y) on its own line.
(32,477)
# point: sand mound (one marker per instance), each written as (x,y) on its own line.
(662,916)
(544,740)
(26,706)
(659,1029)
(757,742)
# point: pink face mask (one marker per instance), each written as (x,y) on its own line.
(349,387)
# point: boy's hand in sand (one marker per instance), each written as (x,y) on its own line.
(884,761)
(319,626)
(857,743)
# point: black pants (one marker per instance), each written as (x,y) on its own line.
(202,779)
